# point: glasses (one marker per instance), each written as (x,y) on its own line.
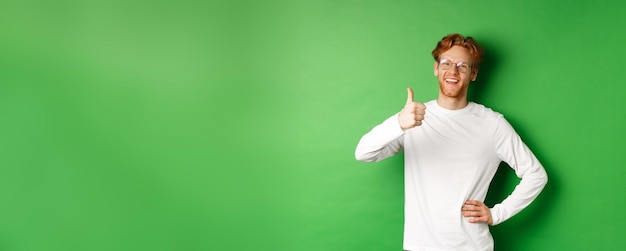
(462,67)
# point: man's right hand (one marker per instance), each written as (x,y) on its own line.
(412,114)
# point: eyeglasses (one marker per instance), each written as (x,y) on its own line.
(462,67)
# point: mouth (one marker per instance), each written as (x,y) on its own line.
(451,81)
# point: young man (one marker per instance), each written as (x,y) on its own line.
(452,149)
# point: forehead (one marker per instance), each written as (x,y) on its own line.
(457,53)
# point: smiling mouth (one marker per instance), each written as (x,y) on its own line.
(451,81)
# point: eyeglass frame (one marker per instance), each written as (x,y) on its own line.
(457,64)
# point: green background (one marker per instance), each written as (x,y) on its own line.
(217,125)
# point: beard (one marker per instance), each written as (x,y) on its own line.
(452,91)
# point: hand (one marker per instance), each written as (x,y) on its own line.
(477,212)
(412,114)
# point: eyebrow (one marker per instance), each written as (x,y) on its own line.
(453,61)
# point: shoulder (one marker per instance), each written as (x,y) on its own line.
(484,112)
(491,117)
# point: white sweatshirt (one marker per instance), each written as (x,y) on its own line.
(452,157)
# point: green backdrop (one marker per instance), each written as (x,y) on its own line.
(218,125)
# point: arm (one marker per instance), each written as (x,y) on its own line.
(382,141)
(512,150)
(387,138)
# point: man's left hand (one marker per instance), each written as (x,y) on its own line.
(477,211)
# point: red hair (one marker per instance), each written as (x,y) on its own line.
(475,50)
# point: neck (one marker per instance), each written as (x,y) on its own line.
(452,103)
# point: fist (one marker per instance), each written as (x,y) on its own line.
(413,112)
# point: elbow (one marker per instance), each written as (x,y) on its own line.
(543,175)
(541,178)
(364,156)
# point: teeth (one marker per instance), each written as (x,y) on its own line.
(451,80)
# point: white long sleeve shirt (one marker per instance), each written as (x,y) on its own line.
(449,159)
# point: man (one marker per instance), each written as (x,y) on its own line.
(452,149)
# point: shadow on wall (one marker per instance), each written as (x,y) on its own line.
(491,60)
(510,234)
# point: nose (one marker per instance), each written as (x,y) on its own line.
(454,68)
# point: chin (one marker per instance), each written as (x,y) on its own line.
(452,93)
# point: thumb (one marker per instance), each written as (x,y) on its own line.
(409,98)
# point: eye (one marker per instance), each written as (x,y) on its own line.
(464,66)
(446,64)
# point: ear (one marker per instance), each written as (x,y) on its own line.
(436,68)
(474,74)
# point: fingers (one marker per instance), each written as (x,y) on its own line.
(478,219)
(413,112)
(476,211)
(409,98)
(473,208)
(474,203)
(412,115)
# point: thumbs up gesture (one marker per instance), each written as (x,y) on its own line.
(413,112)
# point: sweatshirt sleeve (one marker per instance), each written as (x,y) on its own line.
(382,141)
(512,150)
